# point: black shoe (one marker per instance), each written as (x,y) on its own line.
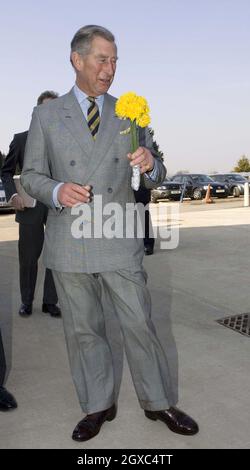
(90,426)
(25,310)
(148,250)
(52,309)
(7,401)
(176,420)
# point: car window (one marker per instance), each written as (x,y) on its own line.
(177,178)
(202,178)
(236,178)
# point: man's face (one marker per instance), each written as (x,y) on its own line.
(95,71)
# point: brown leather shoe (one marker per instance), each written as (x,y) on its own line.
(176,420)
(90,426)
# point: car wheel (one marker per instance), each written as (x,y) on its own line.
(236,192)
(197,194)
(154,199)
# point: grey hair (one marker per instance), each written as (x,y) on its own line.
(82,40)
(51,95)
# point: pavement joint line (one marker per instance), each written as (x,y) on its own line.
(202,300)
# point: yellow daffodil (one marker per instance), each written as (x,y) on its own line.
(143,121)
(135,108)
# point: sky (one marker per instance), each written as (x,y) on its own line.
(189,58)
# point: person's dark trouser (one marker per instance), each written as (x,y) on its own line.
(143,196)
(30,245)
(148,242)
(2,362)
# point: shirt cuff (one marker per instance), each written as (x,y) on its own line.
(54,196)
(153,174)
(10,199)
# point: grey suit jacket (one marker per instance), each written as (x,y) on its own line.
(60,148)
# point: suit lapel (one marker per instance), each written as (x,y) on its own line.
(94,150)
(73,118)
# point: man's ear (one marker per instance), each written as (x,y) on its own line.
(76,60)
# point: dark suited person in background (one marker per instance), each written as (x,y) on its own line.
(7,401)
(31,228)
(143,195)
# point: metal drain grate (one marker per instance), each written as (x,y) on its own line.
(240,323)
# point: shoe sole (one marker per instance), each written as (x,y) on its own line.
(11,408)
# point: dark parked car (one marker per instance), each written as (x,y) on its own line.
(3,202)
(197,184)
(234,182)
(167,190)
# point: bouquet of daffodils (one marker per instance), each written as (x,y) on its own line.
(135,108)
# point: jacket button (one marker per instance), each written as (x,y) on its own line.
(72,163)
(110,190)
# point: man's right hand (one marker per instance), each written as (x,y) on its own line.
(70,194)
(17,202)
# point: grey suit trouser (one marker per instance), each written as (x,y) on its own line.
(89,352)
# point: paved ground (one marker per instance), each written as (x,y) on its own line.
(205,278)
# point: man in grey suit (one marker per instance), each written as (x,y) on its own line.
(78,156)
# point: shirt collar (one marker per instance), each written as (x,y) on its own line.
(81,96)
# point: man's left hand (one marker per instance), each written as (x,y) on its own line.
(142,157)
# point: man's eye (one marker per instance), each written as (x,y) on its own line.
(103,60)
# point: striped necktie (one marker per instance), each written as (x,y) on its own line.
(93,116)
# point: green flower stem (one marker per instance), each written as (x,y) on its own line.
(134,137)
